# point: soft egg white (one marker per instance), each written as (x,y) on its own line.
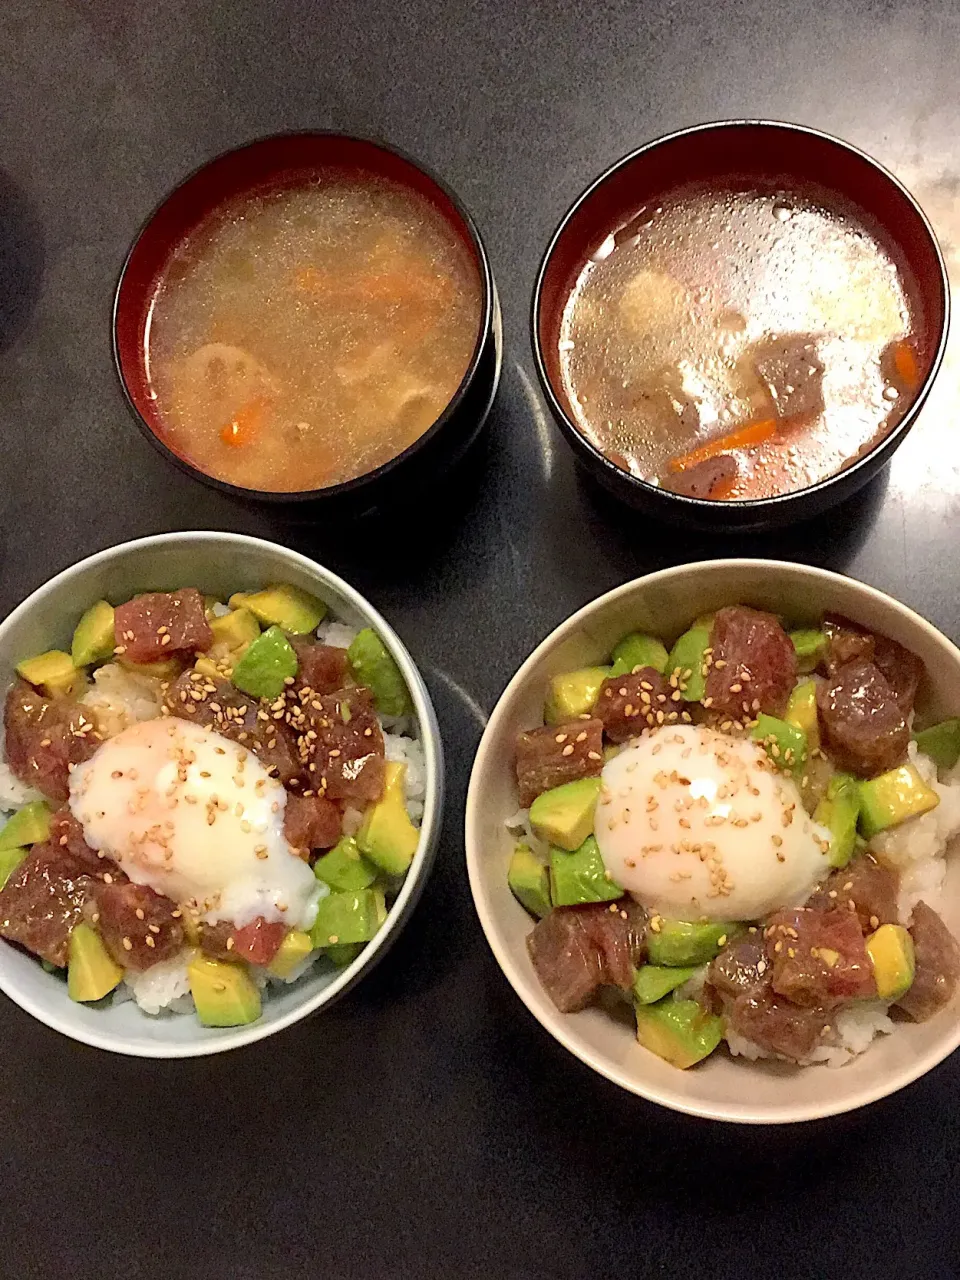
(197,818)
(699,825)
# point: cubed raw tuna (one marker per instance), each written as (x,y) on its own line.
(158,625)
(577,950)
(777,1025)
(138,927)
(937,958)
(818,957)
(44,736)
(864,728)
(641,700)
(864,886)
(311,822)
(323,667)
(339,739)
(752,666)
(557,753)
(43,900)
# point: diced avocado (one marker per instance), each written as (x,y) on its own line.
(564,815)
(838,811)
(785,744)
(639,650)
(801,712)
(284,606)
(224,992)
(91,970)
(387,836)
(235,630)
(581,876)
(348,917)
(810,647)
(266,665)
(654,981)
(29,825)
(10,859)
(681,943)
(941,742)
(373,665)
(573,694)
(93,638)
(212,670)
(679,1031)
(686,661)
(293,950)
(891,950)
(529,881)
(162,669)
(893,798)
(344,867)
(343,953)
(52,671)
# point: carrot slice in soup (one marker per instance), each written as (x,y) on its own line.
(742,438)
(906,364)
(245,427)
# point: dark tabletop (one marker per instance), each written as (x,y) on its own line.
(427,1126)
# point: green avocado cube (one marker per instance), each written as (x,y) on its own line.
(529,881)
(91,971)
(53,671)
(348,917)
(839,811)
(941,742)
(810,646)
(801,712)
(93,637)
(373,665)
(639,650)
(345,868)
(10,859)
(343,953)
(580,876)
(682,943)
(266,665)
(654,981)
(224,992)
(564,815)
(290,608)
(29,825)
(573,694)
(785,744)
(892,798)
(387,836)
(687,660)
(293,950)
(681,1032)
(891,952)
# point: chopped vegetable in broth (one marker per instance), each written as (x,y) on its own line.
(737,344)
(303,338)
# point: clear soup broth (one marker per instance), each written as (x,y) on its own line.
(303,338)
(738,344)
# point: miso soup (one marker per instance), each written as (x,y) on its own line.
(738,344)
(303,338)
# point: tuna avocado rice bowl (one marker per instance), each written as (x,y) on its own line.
(202,798)
(742,838)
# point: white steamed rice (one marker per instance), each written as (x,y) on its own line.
(119,698)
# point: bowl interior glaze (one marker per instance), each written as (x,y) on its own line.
(722,1088)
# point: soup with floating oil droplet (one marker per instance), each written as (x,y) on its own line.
(302,338)
(739,344)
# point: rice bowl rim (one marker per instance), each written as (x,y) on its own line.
(565,1027)
(428,731)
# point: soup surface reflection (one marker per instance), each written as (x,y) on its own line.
(304,338)
(738,344)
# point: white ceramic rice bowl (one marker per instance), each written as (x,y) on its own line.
(219,564)
(664,603)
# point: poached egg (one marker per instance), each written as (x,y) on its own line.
(701,826)
(196,817)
